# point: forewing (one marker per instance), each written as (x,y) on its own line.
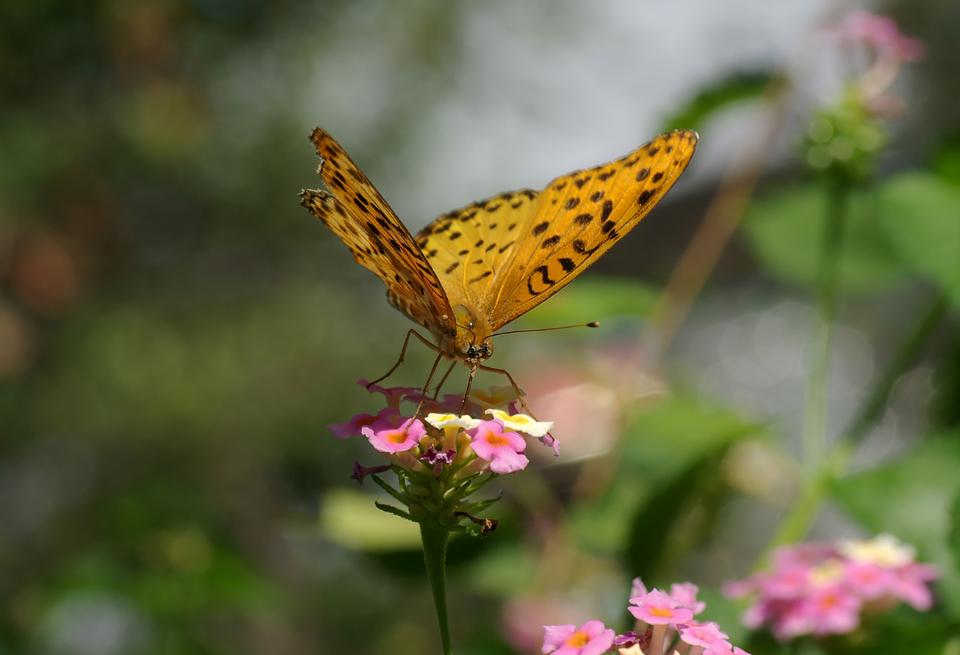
(468,246)
(580,216)
(356,212)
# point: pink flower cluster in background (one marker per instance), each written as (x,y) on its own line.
(665,624)
(444,438)
(823,589)
(881,33)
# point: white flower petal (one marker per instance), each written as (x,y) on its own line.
(441,421)
(884,550)
(521,423)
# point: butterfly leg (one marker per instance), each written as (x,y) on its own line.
(436,391)
(403,353)
(466,394)
(513,383)
(426,385)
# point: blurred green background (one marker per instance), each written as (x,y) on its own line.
(176,332)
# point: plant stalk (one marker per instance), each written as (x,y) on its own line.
(435,538)
(818,382)
(797,521)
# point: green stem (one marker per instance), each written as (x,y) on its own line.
(801,515)
(818,382)
(435,538)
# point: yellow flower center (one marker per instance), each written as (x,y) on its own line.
(397,436)
(578,639)
(661,612)
(495,439)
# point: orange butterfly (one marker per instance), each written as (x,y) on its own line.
(473,270)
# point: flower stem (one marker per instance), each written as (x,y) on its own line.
(818,382)
(797,521)
(435,537)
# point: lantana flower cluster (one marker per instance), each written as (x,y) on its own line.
(880,33)
(845,137)
(826,588)
(666,623)
(444,449)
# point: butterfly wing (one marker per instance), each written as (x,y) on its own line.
(468,246)
(356,212)
(578,217)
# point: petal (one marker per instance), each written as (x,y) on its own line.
(507,461)
(464,421)
(349,428)
(637,589)
(555,635)
(521,423)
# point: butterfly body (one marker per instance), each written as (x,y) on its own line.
(473,270)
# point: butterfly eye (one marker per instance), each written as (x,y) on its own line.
(483,351)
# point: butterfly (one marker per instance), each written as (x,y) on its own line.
(475,269)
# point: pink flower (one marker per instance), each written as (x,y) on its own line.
(504,450)
(822,589)
(786,583)
(870,581)
(664,626)
(658,608)
(685,593)
(882,33)
(833,610)
(592,638)
(706,635)
(355,425)
(910,583)
(551,442)
(396,439)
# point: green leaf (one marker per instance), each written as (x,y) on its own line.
(785,232)
(593,299)
(730,90)
(921,216)
(912,498)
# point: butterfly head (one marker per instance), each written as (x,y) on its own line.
(472,343)
(476,353)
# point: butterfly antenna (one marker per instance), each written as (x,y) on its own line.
(591,324)
(468,329)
